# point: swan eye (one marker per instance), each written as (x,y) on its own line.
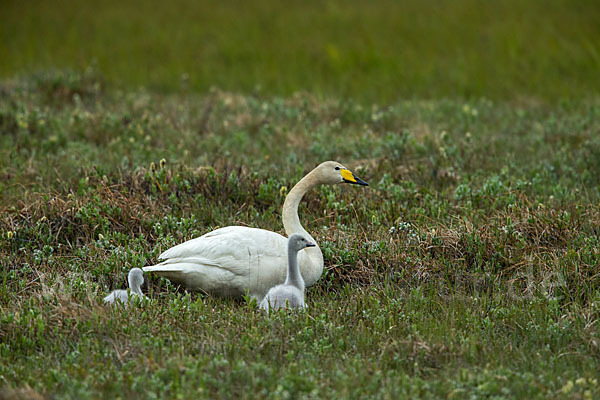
(337,168)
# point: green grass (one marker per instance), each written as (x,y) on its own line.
(376,51)
(468,269)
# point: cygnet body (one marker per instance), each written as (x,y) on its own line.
(291,293)
(135,279)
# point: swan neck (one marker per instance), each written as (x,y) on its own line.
(291,221)
(294,277)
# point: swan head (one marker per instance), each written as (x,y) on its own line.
(332,172)
(298,241)
(135,278)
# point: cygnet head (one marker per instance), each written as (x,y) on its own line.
(298,241)
(332,172)
(135,278)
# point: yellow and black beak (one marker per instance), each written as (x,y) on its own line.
(349,177)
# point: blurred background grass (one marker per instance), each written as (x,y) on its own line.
(374,51)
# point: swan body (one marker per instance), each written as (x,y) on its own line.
(252,261)
(135,279)
(290,294)
(236,260)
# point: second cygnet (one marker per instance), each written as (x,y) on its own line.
(291,293)
(135,279)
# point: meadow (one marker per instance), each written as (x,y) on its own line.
(469,268)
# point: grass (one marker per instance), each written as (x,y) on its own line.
(377,51)
(468,269)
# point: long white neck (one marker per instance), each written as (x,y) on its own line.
(293,275)
(292,225)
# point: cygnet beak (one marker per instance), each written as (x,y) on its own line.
(310,244)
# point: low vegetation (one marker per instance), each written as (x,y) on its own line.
(468,269)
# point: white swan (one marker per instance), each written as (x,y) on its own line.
(234,260)
(291,293)
(135,279)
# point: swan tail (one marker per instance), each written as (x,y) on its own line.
(162,268)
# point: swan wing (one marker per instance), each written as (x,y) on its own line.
(227,261)
(232,248)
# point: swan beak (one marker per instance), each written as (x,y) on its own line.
(349,177)
(310,244)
